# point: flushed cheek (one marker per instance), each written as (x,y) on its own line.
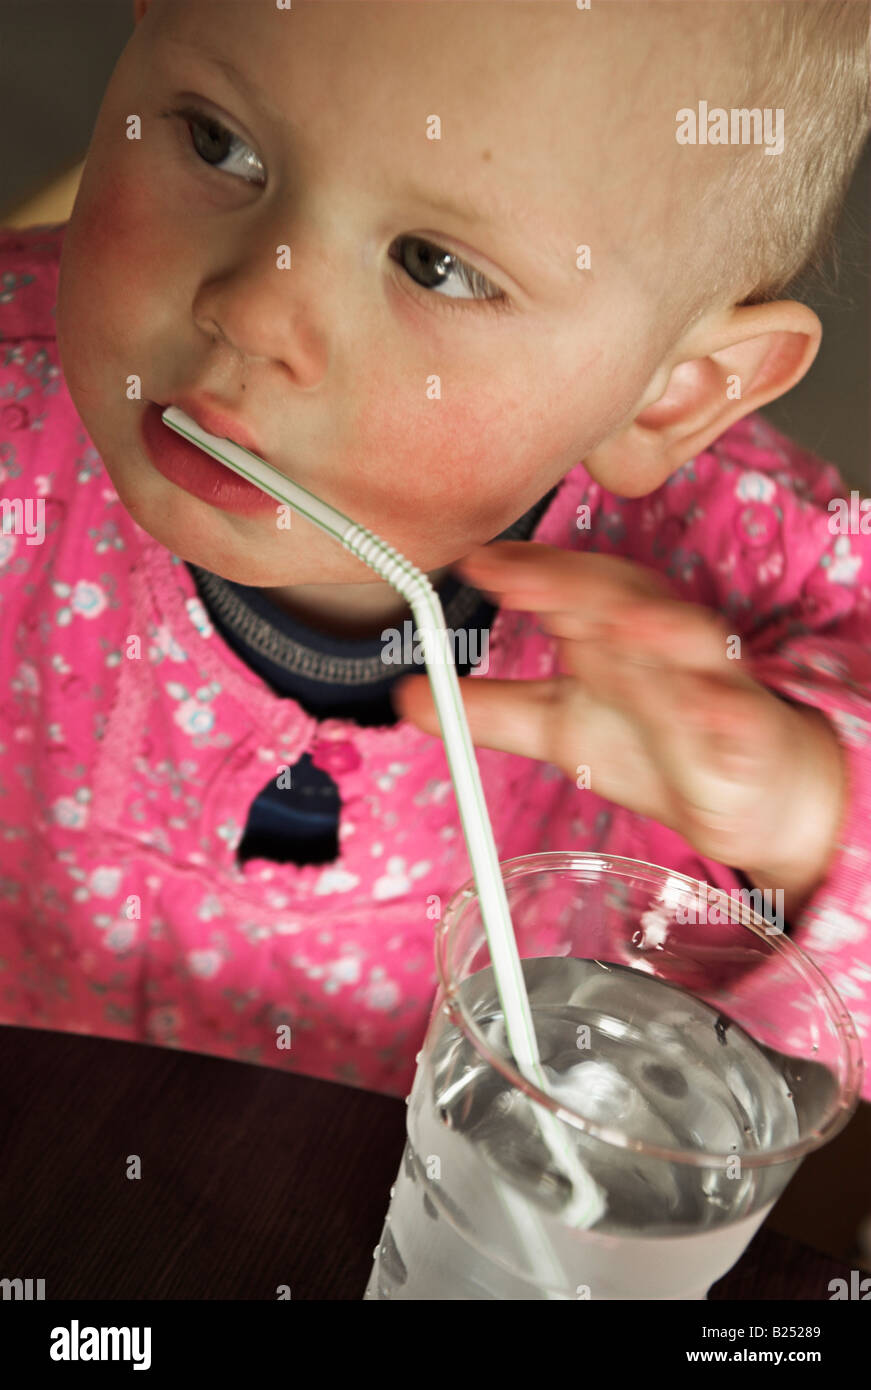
(114,267)
(462,454)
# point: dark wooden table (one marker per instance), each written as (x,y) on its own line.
(250,1178)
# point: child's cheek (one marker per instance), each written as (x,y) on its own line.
(121,253)
(441,448)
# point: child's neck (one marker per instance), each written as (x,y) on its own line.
(346,610)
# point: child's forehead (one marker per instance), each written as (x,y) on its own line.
(463,50)
(564,77)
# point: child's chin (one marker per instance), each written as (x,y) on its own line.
(228,562)
(241,549)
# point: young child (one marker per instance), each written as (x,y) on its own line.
(470,273)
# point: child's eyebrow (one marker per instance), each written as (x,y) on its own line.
(238,78)
(488,211)
(477,213)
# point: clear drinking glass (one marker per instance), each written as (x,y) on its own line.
(695,1055)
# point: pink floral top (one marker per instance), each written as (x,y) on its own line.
(125,784)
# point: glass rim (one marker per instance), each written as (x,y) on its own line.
(836,1115)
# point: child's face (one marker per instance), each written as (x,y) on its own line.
(557,129)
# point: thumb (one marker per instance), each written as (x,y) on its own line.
(510,716)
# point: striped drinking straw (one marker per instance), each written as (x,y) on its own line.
(587,1203)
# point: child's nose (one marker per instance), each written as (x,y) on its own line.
(269,314)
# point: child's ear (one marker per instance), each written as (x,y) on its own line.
(726,366)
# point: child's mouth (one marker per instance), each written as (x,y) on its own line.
(190,468)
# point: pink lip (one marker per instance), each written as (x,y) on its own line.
(215,421)
(190,468)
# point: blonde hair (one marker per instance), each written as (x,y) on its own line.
(812,59)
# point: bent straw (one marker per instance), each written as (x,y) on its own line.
(587,1203)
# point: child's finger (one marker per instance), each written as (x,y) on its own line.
(512,716)
(675,633)
(581,596)
(653,635)
(537,577)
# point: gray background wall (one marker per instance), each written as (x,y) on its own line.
(55,60)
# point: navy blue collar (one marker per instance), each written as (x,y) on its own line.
(330,675)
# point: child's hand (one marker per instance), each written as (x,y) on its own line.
(667,724)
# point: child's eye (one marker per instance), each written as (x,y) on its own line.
(433,268)
(214,144)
